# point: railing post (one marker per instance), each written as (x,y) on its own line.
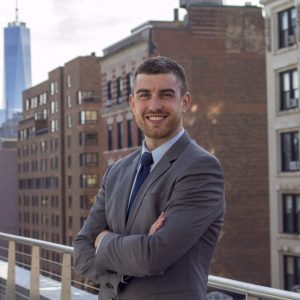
(11,272)
(34,293)
(66,277)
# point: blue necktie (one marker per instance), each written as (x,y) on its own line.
(146,162)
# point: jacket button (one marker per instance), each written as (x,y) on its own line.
(109,285)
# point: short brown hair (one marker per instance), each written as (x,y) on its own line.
(162,65)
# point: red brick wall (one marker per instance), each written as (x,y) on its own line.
(222,51)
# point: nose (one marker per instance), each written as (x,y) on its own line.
(155,104)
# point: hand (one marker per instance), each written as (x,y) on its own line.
(157,224)
(99,238)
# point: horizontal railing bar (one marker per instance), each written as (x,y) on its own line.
(213,281)
(250,289)
(39,243)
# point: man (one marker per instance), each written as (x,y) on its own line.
(154,239)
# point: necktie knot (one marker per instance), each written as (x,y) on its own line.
(146,159)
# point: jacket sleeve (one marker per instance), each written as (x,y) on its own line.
(196,204)
(84,249)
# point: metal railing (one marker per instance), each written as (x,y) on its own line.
(250,291)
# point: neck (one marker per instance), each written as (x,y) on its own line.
(153,143)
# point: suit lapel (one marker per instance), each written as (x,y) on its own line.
(162,166)
(127,182)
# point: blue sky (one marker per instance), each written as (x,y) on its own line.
(64,29)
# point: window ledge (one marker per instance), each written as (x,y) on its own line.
(284,50)
(289,236)
(289,174)
(288,111)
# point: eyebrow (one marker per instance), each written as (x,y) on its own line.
(161,91)
(142,91)
(168,91)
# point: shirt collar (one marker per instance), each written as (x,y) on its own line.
(160,151)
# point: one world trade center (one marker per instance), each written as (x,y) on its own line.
(17,65)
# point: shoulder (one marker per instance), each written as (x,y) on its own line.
(125,161)
(196,156)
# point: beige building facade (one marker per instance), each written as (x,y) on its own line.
(283,65)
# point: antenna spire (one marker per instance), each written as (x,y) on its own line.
(17,12)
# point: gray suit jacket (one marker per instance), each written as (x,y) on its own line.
(187,184)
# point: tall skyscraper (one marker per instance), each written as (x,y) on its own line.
(17,65)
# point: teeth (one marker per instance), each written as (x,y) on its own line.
(155,118)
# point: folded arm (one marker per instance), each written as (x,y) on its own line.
(197,201)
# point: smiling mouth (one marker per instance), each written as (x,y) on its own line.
(156,118)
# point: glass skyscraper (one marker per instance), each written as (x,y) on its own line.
(17,65)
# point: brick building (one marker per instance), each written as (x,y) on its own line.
(59,152)
(222,50)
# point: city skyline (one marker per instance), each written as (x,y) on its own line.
(60,31)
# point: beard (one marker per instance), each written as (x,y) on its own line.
(161,131)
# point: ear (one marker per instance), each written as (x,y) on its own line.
(186,102)
(131,102)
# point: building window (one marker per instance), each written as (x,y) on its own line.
(81,95)
(88,117)
(52,107)
(86,201)
(289,90)
(52,88)
(43,98)
(88,159)
(88,180)
(68,80)
(290,151)
(70,201)
(291,272)
(287,27)
(129,133)
(69,121)
(69,102)
(119,90)
(128,84)
(110,136)
(56,87)
(45,114)
(120,135)
(109,94)
(27,104)
(291,213)
(54,125)
(69,181)
(88,138)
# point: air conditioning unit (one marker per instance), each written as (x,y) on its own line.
(108,102)
(294,165)
(293,102)
(291,39)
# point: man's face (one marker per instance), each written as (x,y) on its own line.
(158,106)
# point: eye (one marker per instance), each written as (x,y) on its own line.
(143,95)
(167,95)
